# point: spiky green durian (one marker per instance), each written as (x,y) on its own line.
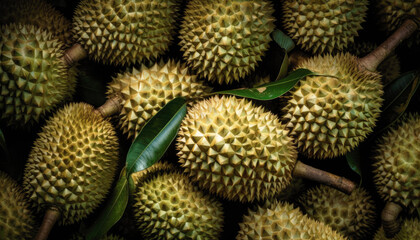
(72,162)
(236,150)
(159,167)
(330,115)
(168,206)
(144,92)
(127,31)
(282,221)
(323,26)
(33,77)
(352,215)
(106,237)
(16,219)
(397,163)
(410,230)
(225,39)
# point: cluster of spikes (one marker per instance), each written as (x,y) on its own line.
(410,230)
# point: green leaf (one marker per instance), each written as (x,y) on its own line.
(156,136)
(353,160)
(283,68)
(283,40)
(271,90)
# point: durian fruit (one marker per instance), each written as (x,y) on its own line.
(106,237)
(397,164)
(223,40)
(33,77)
(159,167)
(236,150)
(352,215)
(323,26)
(168,206)
(125,32)
(145,91)
(72,163)
(281,221)
(330,115)
(410,230)
(16,218)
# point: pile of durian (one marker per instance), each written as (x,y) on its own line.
(238,168)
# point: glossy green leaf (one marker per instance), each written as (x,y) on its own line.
(283,68)
(353,160)
(156,136)
(283,40)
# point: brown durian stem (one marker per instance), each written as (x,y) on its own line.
(389,218)
(74,54)
(372,60)
(110,107)
(340,183)
(51,216)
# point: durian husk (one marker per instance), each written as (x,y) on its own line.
(330,115)
(410,230)
(72,163)
(352,215)
(224,40)
(236,150)
(157,168)
(278,220)
(323,26)
(397,164)
(16,218)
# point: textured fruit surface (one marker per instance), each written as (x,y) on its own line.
(236,150)
(329,116)
(352,215)
(16,219)
(72,162)
(281,221)
(146,91)
(159,167)
(168,206)
(33,78)
(125,31)
(397,163)
(410,230)
(225,39)
(321,26)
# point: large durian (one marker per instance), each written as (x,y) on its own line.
(397,163)
(72,163)
(236,150)
(225,39)
(282,221)
(144,92)
(323,26)
(352,215)
(16,219)
(330,115)
(33,77)
(410,230)
(125,32)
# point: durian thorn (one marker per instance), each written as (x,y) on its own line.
(51,216)
(340,183)
(74,54)
(389,218)
(111,106)
(372,60)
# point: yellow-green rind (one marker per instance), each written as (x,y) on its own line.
(410,230)
(72,162)
(157,168)
(281,221)
(16,218)
(352,215)
(144,92)
(168,206)
(320,26)
(397,164)
(224,40)
(236,150)
(330,115)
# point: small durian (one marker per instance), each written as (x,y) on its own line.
(397,164)
(168,206)
(33,77)
(224,40)
(281,221)
(72,163)
(352,215)
(330,115)
(410,230)
(236,150)
(16,218)
(144,92)
(125,32)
